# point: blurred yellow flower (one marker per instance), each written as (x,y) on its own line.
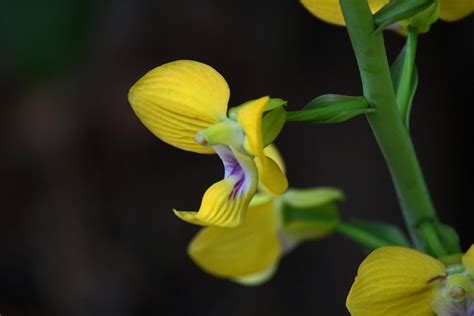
(184,103)
(330,10)
(397,281)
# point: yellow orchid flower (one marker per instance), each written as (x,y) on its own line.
(397,281)
(184,103)
(330,10)
(249,254)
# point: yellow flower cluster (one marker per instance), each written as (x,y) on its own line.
(184,103)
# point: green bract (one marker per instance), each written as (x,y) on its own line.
(400,10)
(330,108)
(405,77)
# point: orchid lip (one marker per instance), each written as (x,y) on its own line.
(232,168)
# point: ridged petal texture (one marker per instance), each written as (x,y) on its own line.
(177,100)
(453,10)
(247,254)
(468,261)
(395,281)
(225,203)
(330,10)
(249,118)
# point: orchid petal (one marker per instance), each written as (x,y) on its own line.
(395,281)
(178,99)
(240,253)
(272,153)
(225,203)
(249,118)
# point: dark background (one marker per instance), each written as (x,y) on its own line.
(86,192)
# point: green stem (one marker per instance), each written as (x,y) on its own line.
(387,126)
(360,236)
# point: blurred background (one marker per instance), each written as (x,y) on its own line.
(86,226)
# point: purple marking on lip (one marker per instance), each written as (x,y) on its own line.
(232,168)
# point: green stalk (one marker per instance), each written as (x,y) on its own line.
(386,124)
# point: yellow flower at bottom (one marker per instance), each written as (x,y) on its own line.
(184,103)
(397,281)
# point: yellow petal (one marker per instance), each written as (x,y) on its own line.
(242,252)
(249,117)
(177,100)
(272,152)
(225,203)
(468,261)
(271,176)
(395,281)
(330,10)
(453,10)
